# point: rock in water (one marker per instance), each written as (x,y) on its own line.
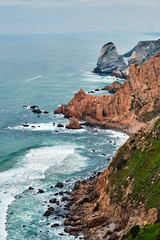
(109,60)
(60,125)
(73,124)
(59,185)
(113,88)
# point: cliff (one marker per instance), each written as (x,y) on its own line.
(143,51)
(136,102)
(124,201)
(110,62)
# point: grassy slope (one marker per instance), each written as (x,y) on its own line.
(137,167)
(150,232)
(136,170)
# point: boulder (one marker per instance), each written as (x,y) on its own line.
(25,125)
(53,200)
(60,125)
(36,111)
(73,124)
(47,213)
(67,223)
(96,221)
(55,225)
(113,88)
(33,106)
(40,191)
(59,185)
(68,229)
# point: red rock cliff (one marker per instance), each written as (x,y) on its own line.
(137,100)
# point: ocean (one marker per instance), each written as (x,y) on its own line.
(47,70)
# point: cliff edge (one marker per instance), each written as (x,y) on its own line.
(136,102)
(124,201)
(110,62)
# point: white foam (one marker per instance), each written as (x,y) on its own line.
(92,77)
(46,127)
(32,79)
(37,127)
(31,168)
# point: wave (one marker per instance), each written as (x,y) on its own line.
(32,79)
(31,168)
(45,127)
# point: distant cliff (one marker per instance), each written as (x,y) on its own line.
(137,100)
(110,62)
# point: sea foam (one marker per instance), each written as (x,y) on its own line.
(32,167)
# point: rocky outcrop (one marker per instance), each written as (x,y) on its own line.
(109,60)
(137,100)
(143,51)
(73,124)
(126,194)
(113,88)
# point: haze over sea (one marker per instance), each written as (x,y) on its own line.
(47,70)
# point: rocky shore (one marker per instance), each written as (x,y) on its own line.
(123,201)
(108,204)
(135,102)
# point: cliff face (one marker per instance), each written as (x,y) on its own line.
(137,100)
(143,51)
(126,194)
(109,60)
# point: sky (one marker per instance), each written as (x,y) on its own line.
(67,16)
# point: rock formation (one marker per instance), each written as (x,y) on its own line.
(113,88)
(73,124)
(109,60)
(143,51)
(137,100)
(126,194)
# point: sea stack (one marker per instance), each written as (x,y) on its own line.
(109,60)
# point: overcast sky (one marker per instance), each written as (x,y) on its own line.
(58,16)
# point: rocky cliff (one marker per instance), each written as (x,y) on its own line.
(126,195)
(137,100)
(143,51)
(110,62)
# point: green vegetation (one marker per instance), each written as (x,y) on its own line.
(136,168)
(149,232)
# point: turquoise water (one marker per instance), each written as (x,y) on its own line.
(46,70)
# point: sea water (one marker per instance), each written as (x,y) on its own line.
(47,70)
